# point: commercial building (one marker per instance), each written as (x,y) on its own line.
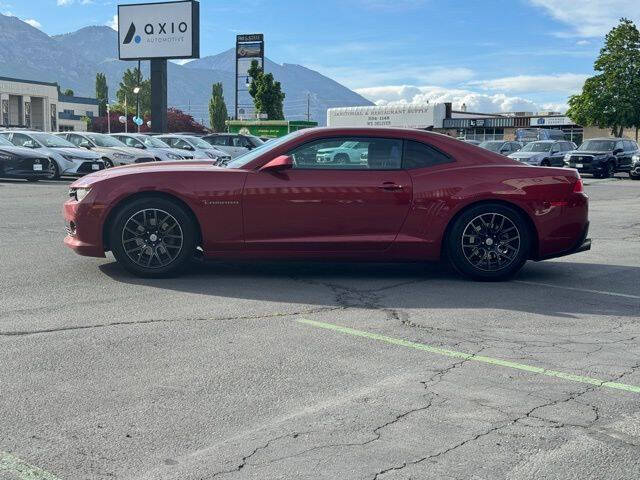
(459,123)
(41,106)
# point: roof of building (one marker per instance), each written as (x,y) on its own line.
(22,80)
(74,99)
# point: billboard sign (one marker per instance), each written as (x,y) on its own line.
(249,47)
(544,121)
(403,116)
(159,30)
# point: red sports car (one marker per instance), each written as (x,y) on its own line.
(401,195)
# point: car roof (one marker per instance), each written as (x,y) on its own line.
(608,138)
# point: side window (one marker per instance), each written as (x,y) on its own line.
(131,142)
(421,155)
(219,140)
(75,139)
(237,141)
(21,140)
(168,141)
(179,143)
(348,153)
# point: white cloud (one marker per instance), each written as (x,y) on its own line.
(563,82)
(590,18)
(583,42)
(475,102)
(64,3)
(34,23)
(113,23)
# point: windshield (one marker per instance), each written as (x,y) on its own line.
(251,155)
(152,142)
(537,147)
(4,141)
(493,146)
(51,141)
(197,142)
(598,145)
(104,140)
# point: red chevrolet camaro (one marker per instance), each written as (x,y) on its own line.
(350,193)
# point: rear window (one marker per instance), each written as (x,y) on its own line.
(420,155)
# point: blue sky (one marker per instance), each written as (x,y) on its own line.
(494,55)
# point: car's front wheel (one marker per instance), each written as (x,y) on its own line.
(107,163)
(489,242)
(54,171)
(153,237)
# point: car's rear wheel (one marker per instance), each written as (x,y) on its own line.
(633,176)
(341,158)
(489,242)
(609,170)
(153,237)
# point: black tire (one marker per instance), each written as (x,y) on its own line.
(54,171)
(545,163)
(107,163)
(181,256)
(461,246)
(341,158)
(634,177)
(609,170)
(32,179)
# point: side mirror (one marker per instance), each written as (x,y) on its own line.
(283,162)
(618,151)
(190,148)
(30,144)
(85,144)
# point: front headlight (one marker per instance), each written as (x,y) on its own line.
(71,158)
(123,156)
(79,193)
(635,158)
(173,156)
(567,158)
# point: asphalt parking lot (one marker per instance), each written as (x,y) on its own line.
(316,370)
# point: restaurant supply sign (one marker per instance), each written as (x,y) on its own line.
(159,30)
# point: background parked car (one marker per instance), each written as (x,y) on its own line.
(545,153)
(18,162)
(152,146)
(66,158)
(635,167)
(111,150)
(603,157)
(197,146)
(503,147)
(526,135)
(234,144)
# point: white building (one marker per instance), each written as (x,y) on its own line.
(404,116)
(40,106)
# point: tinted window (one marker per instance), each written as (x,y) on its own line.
(349,154)
(219,140)
(75,139)
(420,155)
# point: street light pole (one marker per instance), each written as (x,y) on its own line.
(137,92)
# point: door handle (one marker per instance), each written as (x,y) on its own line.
(390,187)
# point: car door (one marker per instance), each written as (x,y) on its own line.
(556,155)
(337,207)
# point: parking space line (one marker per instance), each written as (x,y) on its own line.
(22,470)
(471,357)
(576,289)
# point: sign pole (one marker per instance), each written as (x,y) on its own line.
(159,95)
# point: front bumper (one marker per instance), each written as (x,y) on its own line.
(79,168)
(84,228)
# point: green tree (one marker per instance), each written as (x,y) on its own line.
(267,94)
(611,98)
(217,109)
(102,93)
(128,83)
(68,92)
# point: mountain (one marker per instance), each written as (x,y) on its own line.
(73,59)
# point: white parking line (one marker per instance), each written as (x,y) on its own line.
(22,470)
(584,290)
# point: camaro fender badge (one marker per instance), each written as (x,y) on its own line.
(220,202)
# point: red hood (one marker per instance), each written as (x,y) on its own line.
(148,167)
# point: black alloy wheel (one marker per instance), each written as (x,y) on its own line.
(489,242)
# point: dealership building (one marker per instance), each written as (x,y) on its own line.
(41,106)
(440,117)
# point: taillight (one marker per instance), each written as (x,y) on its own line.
(578,187)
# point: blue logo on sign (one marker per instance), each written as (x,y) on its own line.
(541,121)
(137,39)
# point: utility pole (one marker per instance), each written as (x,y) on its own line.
(308,106)
(137,92)
(108,118)
(126,114)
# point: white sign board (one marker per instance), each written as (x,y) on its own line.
(159,30)
(544,121)
(403,116)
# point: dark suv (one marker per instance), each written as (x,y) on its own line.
(603,157)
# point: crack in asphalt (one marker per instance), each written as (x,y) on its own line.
(165,320)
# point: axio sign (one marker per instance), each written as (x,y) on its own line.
(159,30)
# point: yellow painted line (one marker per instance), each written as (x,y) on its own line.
(576,289)
(22,470)
(468,356)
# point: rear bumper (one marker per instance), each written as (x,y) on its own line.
(582,245)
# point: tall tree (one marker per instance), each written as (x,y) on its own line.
(128,83)
(102,93)
(217,109)
(267,94)
(611,98)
